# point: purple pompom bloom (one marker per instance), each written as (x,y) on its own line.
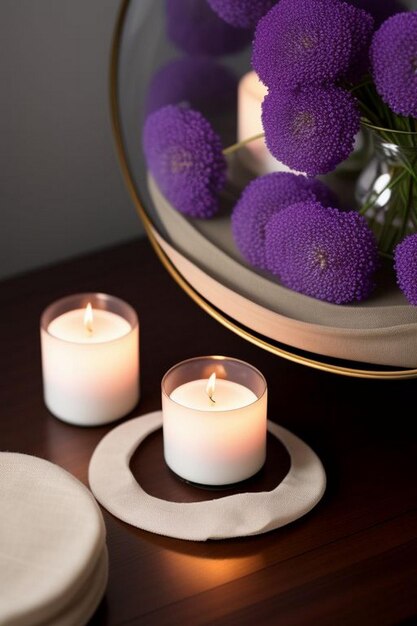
(312,130)
(405,257)
(300,43)
(199,82)
(362,29)
(394,62)
(263,197)
(380,10)
(184,155)
(196,29)
(322,252)
(241,13)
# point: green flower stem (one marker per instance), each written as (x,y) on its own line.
(367,111)
(371,202)
(388,233)
(365,83)
(407,208)
(385,255)
(409,167)
(399,218)
(236,146)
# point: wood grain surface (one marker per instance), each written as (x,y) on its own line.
(352,560)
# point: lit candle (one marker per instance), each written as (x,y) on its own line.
(255,155)
(214,420)
(90,358)
(213,395)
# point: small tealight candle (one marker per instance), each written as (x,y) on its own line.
(90,358)
(214,420)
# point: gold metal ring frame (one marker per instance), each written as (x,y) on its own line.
(176,275)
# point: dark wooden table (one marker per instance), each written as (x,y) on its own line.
(352,560)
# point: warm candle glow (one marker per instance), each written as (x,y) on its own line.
(88,318)
(211,386)
(214,426)
(90,367)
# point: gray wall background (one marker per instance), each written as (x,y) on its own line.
(61,191)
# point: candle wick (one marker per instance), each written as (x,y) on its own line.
(210,387)
(88,319)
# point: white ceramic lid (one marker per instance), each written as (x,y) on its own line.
(52,536)
(82,607)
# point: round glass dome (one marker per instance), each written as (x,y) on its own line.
(181,52)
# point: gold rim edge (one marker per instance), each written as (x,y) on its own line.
(172,270)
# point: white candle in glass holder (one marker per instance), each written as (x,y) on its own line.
(254,155)
(90,359)
(225,395)
(214,428)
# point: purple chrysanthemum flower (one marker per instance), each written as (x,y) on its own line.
(300,43)
(405,257)
(394,62)
(380,10)
(263,197)
(322,252)
(241,13)
(184,155)
(312,130)
(196,29)
(362,28)
(199,82)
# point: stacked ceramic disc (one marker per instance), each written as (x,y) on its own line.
(53,555)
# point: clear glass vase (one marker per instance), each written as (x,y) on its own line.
(386,190)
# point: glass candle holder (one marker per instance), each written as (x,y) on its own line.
(214,430)
(90,358)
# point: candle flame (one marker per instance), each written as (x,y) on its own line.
(88,318)
(211,386)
